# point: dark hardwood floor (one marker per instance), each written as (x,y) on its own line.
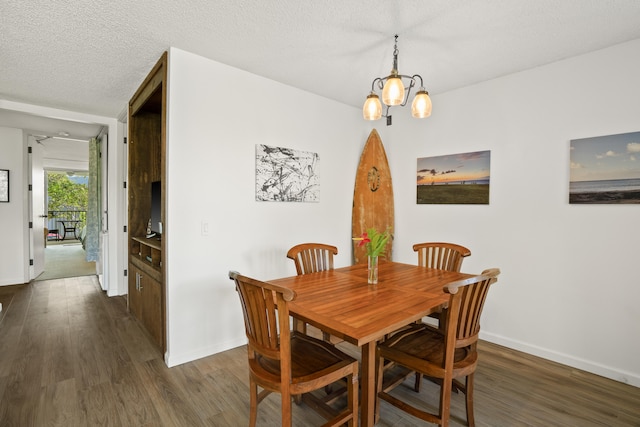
(71,356)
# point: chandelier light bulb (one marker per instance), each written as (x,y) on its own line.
(421,106)
(393,91)
(372,109)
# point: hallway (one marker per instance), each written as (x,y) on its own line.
(71,356)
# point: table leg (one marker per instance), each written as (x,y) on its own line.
(368,383)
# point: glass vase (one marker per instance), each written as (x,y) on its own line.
(372,270)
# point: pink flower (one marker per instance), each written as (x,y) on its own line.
(364,239)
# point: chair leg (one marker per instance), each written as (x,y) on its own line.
(469,401)
(445,401)
(326,337)
(352,398)
(286,409)
(328,389)
(379,381)
(416,386)
(253,408)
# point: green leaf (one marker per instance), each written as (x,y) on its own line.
(376,247)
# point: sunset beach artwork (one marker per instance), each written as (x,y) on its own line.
(461,179)
(605,169)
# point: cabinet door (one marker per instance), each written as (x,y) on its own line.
(133,297)
(152,317)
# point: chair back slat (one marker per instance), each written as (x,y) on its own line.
(441,255)
(312,257)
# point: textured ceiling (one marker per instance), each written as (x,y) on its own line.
(90,56)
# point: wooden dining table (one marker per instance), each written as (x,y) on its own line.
(342,303)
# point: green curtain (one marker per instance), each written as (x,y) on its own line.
(92,237)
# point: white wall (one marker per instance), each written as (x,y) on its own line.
(570,286)
(216,117)
(13,215)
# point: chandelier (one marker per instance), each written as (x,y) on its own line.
(395,92)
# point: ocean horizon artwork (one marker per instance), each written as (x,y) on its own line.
(460,179)
(605,169)
(286,175)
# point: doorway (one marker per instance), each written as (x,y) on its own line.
(71,201)
(67,197)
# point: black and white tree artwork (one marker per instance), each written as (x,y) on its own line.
(286,175)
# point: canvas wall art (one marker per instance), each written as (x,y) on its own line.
(286,175)
(605,169)
(4,185)
(461,179)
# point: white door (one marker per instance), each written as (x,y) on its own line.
(103,193)
(38,209)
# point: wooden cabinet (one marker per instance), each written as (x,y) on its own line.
(145,301)
(146,165)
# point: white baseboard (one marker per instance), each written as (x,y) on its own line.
(565,359)
(174,360)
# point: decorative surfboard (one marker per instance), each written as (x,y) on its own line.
(372,196)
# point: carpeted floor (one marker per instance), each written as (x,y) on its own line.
(65,260)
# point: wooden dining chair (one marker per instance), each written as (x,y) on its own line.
(443,355)
(290,363)
(443,256)
(311,258)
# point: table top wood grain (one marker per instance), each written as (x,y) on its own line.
(342,303)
